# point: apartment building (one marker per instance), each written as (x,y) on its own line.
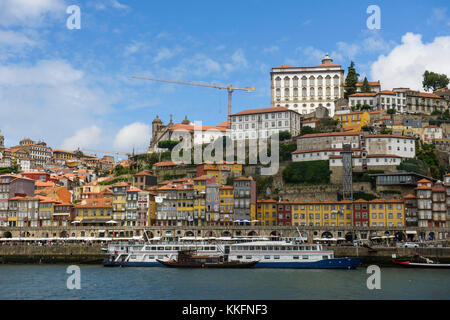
(264,122)
(304,89)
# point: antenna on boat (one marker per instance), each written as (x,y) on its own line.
(300,235)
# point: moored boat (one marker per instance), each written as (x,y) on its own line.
(283,253)
(189,259)
(409,264)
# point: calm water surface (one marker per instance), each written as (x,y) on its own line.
(97,282)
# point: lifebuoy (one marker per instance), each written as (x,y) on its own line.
(203,265)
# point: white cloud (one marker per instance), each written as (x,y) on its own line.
(50,99)
(406,63)
(84,138)
(14,39)
(238,60)
(438,15)
(136,135)
(29,12)
(133,48)
(166,53)
(116,4)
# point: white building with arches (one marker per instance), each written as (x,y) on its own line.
(303,89)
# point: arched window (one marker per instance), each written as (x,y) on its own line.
(286,92)
(304,81)
(278,82)
(336,91)
(296,92)
(295,106)
(336,80)
(320,81)
(286,81)
(319,92)
(328,91)
(328,80)
(311,91)
(304,92)
(295,81)
(311,81)
(278,93)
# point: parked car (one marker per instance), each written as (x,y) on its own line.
(409,245)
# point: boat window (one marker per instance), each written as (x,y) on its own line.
(152,248)
(295,257)
(248,257)
(263,248)
(276,248)
(176,248)
(324,257)
(302,247)
(239,257)
(161,248)
(245,248)
(276,257)
(212,248)
(252,248)
(282,248)
(133,257)
(233,248)
(266,257)
(305,257)
(295,248)
(160,257)
(168,248)
(150,257)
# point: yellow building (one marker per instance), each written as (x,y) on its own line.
(93,212)
(200,199)
(220,171)
(322,213)
(119,202)
(387,213)
(226,205)
(353,121)
(59,154)
(267,212)
(46,210)
(185,203)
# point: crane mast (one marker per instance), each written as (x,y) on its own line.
(229,88)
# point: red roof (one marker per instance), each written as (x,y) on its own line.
(283,66)
(261,110)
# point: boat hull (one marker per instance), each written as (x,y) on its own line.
(408,264)
(223,265)
(336,263)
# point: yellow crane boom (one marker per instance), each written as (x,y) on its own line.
(229,88)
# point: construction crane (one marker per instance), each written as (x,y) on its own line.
(229,88)
(115,153)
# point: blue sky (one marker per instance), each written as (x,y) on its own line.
(73,87)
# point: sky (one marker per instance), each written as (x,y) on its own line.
(73,88)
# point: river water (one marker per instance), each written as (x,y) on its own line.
(97,282)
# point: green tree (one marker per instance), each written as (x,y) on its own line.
(351,80)
(365,86)
(120,170)
(167,144)
(307,172)
(284,135)
(390,111)
(385,130)
(286,150)
(434,81)
(306,130)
